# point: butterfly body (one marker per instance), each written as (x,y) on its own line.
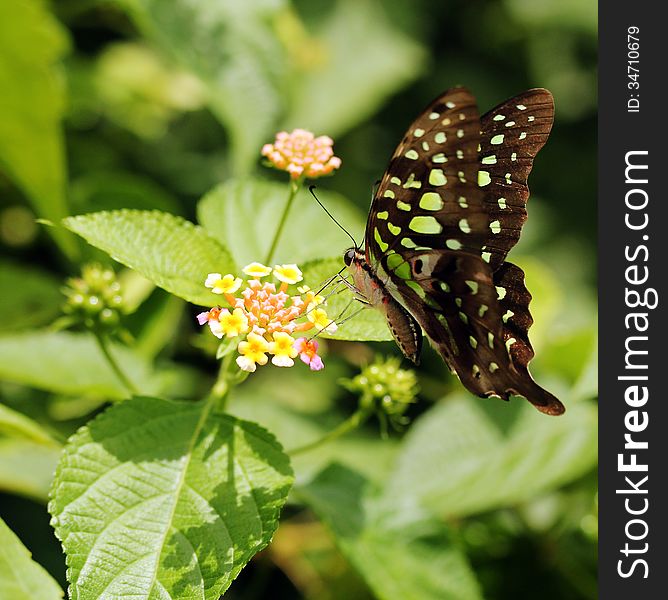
(404,328)
(448,209)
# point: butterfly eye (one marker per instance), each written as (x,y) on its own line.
(349,256)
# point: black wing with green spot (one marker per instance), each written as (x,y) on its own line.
(478,321)
(511,136)
(449,208)
(428,196)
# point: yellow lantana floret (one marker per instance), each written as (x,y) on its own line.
(283,349)
(319,318)
(252,351)
(311,299)
(222,285)
(289,274)
(233,323)
(256,269)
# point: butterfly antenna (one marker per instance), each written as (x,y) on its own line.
(310,189)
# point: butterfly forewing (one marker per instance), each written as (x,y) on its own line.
(511,136)
(430,178)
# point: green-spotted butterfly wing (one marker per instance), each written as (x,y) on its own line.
(447,211)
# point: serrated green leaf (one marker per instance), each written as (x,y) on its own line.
(367,325)
(365,57)
(21,578)
(401,552)
(172,252)
(69,363)
(32,104)
(230,45)
(166,499)
(27,468)
(29,298)
(299,407)
(457,462)
(243,215)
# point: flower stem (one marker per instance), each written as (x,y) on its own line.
(115,367)
(351,423)
(294,186)
(229,375)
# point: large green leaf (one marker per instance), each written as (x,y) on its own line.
(400,551)
(300,407)
(21,578)
(32,103)
(29,297)
(173,253)
(166,499)
(243,215)
(457,461)
(363,60)
(367,325)
(69,363)
(231,46)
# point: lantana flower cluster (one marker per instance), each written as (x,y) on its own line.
(302,154)
(264,320)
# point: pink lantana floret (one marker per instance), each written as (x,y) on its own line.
(300,153)
(308,353)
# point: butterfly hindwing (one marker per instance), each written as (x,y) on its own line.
(477,320)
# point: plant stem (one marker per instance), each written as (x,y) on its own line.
(351,423)
(229,375)
(115,367)
(221,387)
(294,186)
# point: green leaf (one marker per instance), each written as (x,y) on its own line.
(368,325)
(231,46)
(29,298)
(21,578)
(243,215)
(32,104)
(158,323)
(457,462)
(27,468)
(300,408)
(173,253)
(541,15)
(364,60)
(69,363)
(112,190)
(401,552)
(16,424)
(166,499)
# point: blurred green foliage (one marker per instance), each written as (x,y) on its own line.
(153,105)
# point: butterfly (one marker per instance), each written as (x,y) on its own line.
(448,209)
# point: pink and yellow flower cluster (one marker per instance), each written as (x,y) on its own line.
(302,154)
(265,319)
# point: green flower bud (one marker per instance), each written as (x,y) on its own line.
(95,298)
(385,388)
